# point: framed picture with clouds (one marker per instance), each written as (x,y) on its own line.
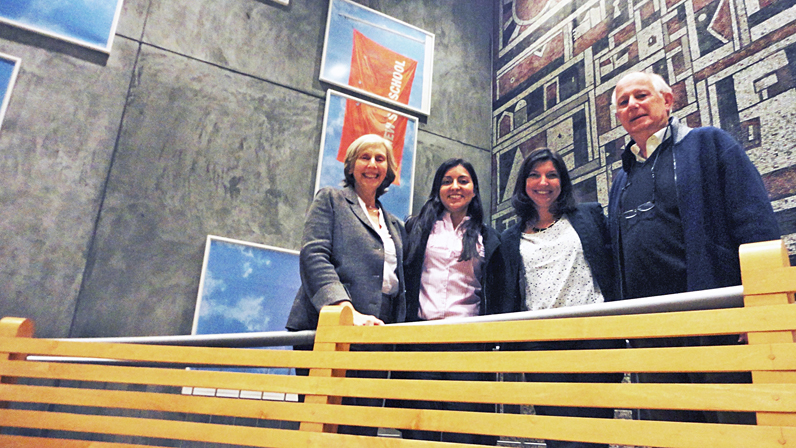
(244,287)
(89,23)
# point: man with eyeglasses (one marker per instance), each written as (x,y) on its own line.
(683,202)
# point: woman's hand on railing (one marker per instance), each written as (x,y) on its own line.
(362,319)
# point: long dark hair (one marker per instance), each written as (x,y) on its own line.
(433,209)
(524,205)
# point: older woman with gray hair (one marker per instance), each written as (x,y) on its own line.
(352,252)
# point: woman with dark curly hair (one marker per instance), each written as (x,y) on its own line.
(557,255)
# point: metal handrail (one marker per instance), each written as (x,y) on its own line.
(729,297)
(231,340)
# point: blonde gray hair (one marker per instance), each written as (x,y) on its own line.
(355,149)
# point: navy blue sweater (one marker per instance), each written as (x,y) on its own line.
(722,201)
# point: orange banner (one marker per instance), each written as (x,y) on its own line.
(386,73)
(379,70)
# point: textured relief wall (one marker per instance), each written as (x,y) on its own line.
(731,64)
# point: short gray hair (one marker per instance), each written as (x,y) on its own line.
(658,83)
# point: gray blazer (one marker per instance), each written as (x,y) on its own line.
(342,258)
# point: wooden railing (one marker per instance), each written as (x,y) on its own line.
(56,403)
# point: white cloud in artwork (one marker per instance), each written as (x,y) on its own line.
(246,310)
(244,250)
(211,284)
(336,122)
(247,269)
(253,260)
(339,70)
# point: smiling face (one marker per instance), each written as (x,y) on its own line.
(457,190)
(640,108)
(543,185)
(370,169)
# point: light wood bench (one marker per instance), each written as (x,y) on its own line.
(67,404)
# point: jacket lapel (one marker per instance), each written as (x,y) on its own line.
(353,202)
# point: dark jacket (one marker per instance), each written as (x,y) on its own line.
(722,202)
(491,299)
(589,223)
(342,258)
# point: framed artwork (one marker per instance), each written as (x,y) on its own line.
(345,119)
(89,23)
(244,287)
(376,55)
(9,69)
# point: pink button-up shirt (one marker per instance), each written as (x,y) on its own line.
(449,287)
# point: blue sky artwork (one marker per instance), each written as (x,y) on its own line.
(246,288)
(85,21)
(398,200)
(6,71)
(387,32)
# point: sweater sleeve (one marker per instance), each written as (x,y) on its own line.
(747,204)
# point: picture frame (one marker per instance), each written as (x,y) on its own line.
(244,287)
(346,118)
(88,23)
(373,54)
(9,69)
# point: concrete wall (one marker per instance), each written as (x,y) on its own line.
(205,119)
(731,64)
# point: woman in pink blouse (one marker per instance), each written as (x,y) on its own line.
(451,264)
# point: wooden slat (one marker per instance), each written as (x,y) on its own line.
(161,402)
(205,432)
(232,357)
(667,359)
(8,441)
(664,434)
(677,435)
(770,337)
(775,419)
(719,397)
(148,376)
(671,324)
(760,357)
